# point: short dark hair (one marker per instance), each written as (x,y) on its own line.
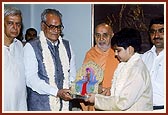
(127,37)
(31,29)
(156,20)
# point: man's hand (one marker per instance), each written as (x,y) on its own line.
(64,94)
(91,98)
(104,91)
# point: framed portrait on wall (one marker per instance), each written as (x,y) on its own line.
(133,15)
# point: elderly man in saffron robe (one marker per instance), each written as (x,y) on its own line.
(103,55)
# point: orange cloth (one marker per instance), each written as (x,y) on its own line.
(106,60)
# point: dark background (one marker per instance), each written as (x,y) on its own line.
(137,16)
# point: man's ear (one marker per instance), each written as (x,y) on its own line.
(131,50)
(42,26)
(112,35)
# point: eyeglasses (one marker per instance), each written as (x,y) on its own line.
(160,31)
(53,27)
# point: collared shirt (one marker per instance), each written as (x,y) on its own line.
(155,65)
(14,78)
(33,80)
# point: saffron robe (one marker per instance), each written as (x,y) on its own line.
(106,60)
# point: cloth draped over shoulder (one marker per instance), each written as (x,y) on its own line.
(106,60)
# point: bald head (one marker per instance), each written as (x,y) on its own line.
(108,27)
(103,35)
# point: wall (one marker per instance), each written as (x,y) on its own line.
(76,20)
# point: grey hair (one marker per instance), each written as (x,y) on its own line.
(54,12)
(50,11)
(12,11)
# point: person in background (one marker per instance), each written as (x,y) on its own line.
(154,60)
(50,66)
(131,88)
(31,34)
(103,55)
(14,73)
(20,37)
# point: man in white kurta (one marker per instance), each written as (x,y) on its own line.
(154,60)
(131,89)
(14,88)
(14,77)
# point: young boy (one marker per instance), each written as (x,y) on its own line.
(131,85)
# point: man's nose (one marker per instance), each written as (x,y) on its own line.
(116,53)
(102,37)
(15,26)
(156,34)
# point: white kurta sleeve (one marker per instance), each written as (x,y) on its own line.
(133,87)
(31,70)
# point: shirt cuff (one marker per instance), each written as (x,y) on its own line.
(53,91)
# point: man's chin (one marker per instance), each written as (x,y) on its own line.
(104,48)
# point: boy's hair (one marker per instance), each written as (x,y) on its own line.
(127,37)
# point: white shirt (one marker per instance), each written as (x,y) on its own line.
(131,88)
(14,78)
(31,68)
(155,64)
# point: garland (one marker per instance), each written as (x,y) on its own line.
(50,69)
